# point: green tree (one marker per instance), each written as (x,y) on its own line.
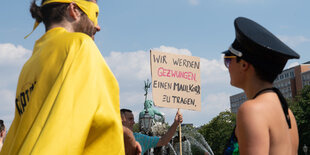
(136,127)
(300,106)
(218,131)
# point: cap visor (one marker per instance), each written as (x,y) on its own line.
(226,52)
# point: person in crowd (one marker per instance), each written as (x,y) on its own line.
(132,147)
(67,98)
(2,133)
(265,124)
(145,141)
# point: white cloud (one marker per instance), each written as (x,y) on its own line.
(7,106)
(7,96)
(293,41)
(11,54)
(217,102)
(213,71)
(173,50)
(11,60)
(129,65)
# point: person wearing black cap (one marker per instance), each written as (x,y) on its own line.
(265,125)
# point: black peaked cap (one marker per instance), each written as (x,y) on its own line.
(260,47)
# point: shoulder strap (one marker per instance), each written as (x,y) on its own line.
(258,93)
(282,100)
(284,106)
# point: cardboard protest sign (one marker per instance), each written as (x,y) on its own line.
(175,80)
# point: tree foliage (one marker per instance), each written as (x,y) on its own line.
(300,106)
(136,127)
(218,131)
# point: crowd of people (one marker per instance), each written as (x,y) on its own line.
(68,98)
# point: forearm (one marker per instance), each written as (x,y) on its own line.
(130,142)
(164,140)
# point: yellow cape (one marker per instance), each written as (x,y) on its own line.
(67,100)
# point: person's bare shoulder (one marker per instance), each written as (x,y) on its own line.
(250,108)
(250,116)
(261,107)
(252,129)
(253,113)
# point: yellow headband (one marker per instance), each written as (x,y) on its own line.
(91,9)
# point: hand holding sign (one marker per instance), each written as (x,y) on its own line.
(178,117)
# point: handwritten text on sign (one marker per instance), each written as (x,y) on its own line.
(175,80)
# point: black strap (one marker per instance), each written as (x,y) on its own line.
(282,100)
(258,93)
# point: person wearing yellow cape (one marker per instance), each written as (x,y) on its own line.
(67,98)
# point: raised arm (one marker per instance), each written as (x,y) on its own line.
(164,140)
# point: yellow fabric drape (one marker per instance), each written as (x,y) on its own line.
(67,100)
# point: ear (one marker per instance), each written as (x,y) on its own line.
(74,11)
(244,65)
(123,117)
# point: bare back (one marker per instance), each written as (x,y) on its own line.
(263,129)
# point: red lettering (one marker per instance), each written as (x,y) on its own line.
(168,74)
(160,73)
(176,74)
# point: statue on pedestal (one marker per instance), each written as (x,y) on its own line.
(147,116)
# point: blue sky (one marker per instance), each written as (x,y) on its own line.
(130,28)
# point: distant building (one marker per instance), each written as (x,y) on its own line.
(285,82)
(289,82)
(236,101)
(306,78)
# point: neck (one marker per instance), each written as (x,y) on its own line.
(251,89)
(67,26)
(253,85)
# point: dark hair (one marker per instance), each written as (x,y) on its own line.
(262,74)
(266,76)
(2,127)
(125,110)
(50,13)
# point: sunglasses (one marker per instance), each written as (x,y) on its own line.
(227,60)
